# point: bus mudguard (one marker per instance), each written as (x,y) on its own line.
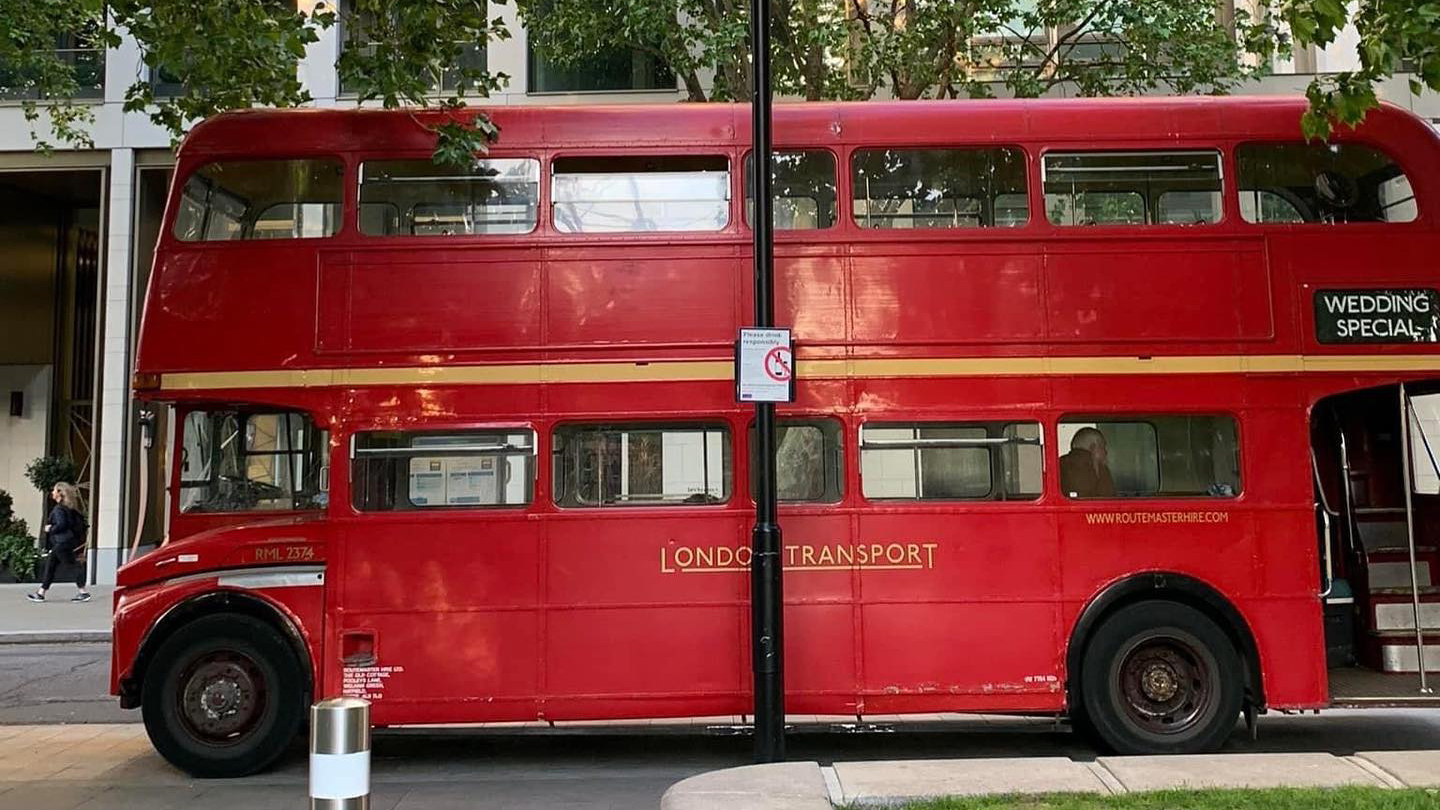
(206,603)
(1179,588)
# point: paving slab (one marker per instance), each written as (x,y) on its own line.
(1414,768)
(779,786)
(1236,771)
(57,620)
(904,780)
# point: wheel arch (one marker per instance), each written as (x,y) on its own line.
(1181,588)
(213,603)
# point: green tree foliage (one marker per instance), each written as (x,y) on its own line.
(852,49)
(1392,34)
(236,54)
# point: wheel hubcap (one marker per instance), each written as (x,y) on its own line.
(222,697)
(1165,685)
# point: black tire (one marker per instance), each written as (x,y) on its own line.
(1160,677)
(224,696)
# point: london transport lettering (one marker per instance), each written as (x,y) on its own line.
(908,556)
(1377,316)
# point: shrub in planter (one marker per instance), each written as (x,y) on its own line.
(19,557)
(9,524)
(47,471)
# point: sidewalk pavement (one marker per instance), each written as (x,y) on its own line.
(808,786)
(57,620)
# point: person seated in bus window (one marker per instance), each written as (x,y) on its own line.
(1084,472)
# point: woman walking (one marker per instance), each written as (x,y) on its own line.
(65,534)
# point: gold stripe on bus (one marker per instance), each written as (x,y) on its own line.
(722,370)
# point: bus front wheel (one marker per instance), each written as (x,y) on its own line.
(224,696)
(1160,677)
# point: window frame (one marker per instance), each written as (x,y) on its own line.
(1146,418)
(839,451)
(1223,153)
(747,158)
(353,454)
(542,199)
(734,202)
(849,218)
(1390,153)
(678,423)
(186,170)
(320,454)
(928,421)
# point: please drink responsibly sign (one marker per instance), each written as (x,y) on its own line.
(1377,316)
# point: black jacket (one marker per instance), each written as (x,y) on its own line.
(67,528)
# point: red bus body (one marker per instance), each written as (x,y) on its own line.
(559,614)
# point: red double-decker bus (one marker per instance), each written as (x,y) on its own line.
(1099,413)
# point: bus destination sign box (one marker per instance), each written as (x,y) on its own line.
(1377,316)
(764,366)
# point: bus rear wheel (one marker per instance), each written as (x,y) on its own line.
(224,696)
(1160,677)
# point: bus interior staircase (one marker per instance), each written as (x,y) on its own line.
(1388,640)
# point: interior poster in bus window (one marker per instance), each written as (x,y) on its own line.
(1377,316)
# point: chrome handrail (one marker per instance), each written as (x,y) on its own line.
(1329,560)
(1410,536)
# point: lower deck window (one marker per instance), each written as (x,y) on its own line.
(399,470)
(951,461)
(641,465)
(233,461)
(809,466)
(1149,456)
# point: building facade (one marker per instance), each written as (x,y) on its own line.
(79,228)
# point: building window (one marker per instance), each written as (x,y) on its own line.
(260,199)
(951,461)
(473,55)
(1326,183)
(1132,188)
(616,70)
(419,198)
(1149,456)
(232,461)
(404,470)
(628,194)
(939,188)
(80,50)
(642,465)
(809,465)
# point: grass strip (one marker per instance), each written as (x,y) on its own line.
(1345,798)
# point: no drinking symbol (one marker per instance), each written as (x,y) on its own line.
(778,364)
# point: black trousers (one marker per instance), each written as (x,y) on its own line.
(58,557)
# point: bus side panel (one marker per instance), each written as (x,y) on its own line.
(643,609)
(960,602)
(1291,641)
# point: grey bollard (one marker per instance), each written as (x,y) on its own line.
(340,754)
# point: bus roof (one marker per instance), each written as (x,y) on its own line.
(1106,120)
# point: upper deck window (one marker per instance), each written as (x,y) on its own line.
(644,193)
(1328,183)
(940,188)
(1132,188)
(261,199)
(803,183)
(419,198)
